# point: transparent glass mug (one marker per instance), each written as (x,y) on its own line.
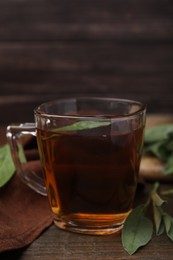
(90,151)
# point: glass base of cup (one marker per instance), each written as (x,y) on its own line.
(92,226)
(89,231)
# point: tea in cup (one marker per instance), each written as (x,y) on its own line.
(90,151)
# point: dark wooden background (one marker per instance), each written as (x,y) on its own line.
(52,48)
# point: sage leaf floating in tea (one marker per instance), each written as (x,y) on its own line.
(82,125)
(77,126)
(137,230)
(7,167)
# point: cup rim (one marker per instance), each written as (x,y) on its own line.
(42,113)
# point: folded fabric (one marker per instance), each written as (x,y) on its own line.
(24,214)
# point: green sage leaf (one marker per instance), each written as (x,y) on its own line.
(7,167)
(157,200)
(168,221)
(77,126)
(158,141)
(82,125)
(169,166)
(158,133)
(137,230)
(157,149)
(158,220)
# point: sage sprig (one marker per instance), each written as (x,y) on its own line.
(157,203)
(158,141)
(163,221)
(138,227)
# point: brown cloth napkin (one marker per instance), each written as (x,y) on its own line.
(24,214)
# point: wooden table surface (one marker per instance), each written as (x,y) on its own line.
(58,244)
(54,243)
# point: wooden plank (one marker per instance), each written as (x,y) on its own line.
(58,244)
(89,20)
(82,57)
(74,246)
(49,69)
(18,108)
(61,83)
(118,48)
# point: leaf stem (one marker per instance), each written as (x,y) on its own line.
(167,192)
(153,190)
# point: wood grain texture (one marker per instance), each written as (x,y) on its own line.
(50,49)
(131,71)
(76,20)
(73,246)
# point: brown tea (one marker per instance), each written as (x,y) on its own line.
(91,174)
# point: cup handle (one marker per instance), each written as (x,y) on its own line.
(14,134)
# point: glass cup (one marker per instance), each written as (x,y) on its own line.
(90,151)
